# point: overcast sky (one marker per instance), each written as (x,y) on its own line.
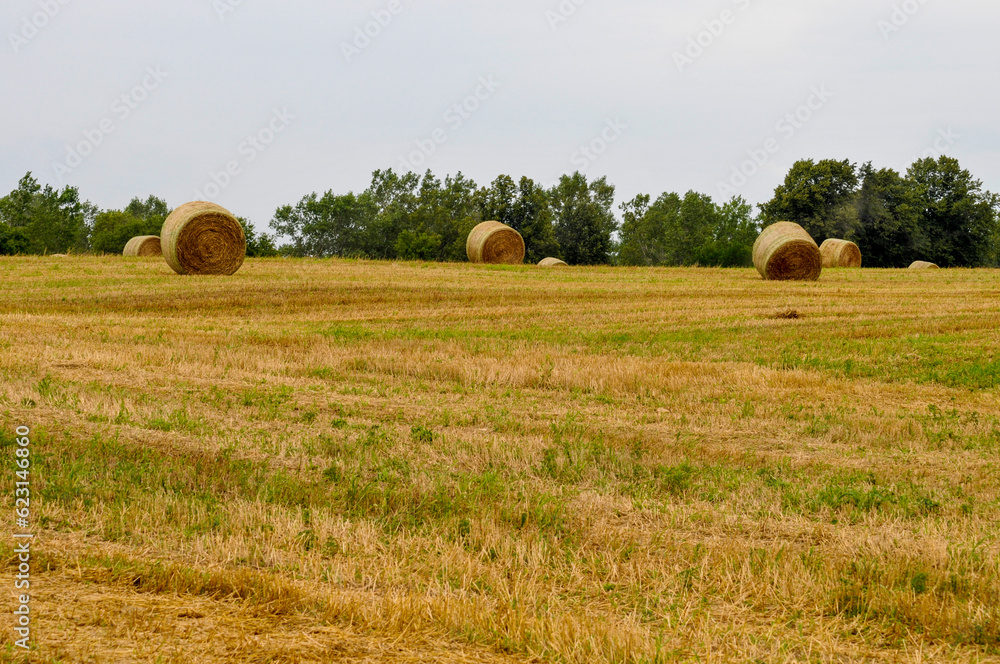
(134,97)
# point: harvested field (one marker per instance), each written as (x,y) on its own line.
(402,462)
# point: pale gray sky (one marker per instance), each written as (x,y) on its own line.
(134,97)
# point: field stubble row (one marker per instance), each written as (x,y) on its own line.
(584,465)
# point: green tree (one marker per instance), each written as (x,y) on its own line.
(993,260)
(151,208)
(114,228)
(525,208)
(53,221)
(889,225)
(686,231)
(695,230)
(583,219)
(405,216)
(819,196)
(413,245)
(259,245)
(733,235)
(393,197)
(13,241)
(446,211)
(325,226)
(957,217)
(647,230)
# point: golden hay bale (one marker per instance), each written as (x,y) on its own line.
(495,243)
(144,245)
(840,253)
(552,262)
(924,265)
(785,251)
(203,238)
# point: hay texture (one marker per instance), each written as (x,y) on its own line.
(203,238)
(784,251)
(924,265)
(144,245)
(840,253)
(552,262)
(494,243)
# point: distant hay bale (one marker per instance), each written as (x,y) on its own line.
(203,238)
(840,253)
(57,255)
(924,265)
(143,246)
(552,262)
(495,243)
(785,251)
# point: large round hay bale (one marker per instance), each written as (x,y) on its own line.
(203,238)
(840,253)
(552,262)
(144,245)
(924,265)
(495,243)
(785,251)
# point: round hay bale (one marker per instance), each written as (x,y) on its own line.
(924,265)
(144,245)
(203,238)
(840,253)
(495,243)
(552,262)
(784,251)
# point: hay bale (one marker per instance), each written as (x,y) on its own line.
(785,251)
(552,262)
(203,238)
(840,253)
(924,265)
(142,246)
(495,243)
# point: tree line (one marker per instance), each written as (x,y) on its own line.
(935,211)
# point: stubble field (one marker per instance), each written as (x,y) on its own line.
(318,461)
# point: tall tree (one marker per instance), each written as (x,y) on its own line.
(53,221)
(643,231)
(525,208)
(114,228)
(686,231)
(731,244)
(584,221)
(330,225)
(259,245)
(889,224)
(651,233)
(445,212)
(394,198)
(151,208)
(819,196)
(957,216)
(13,241)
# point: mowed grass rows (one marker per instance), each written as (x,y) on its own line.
(427,462)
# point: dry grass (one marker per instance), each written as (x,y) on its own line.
(312,456)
